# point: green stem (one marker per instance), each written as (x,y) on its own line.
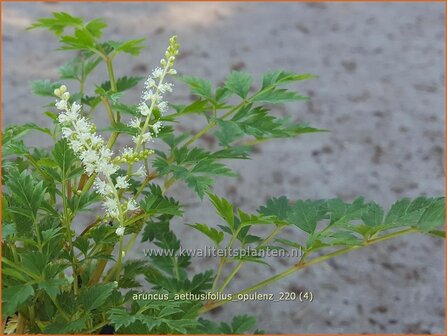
(223,260)
(131,242)
(230,277)
(112,81)
(218,274)
(69,238)
(200,133)
(241,263)
(302,264)
(271,235)
(96,327)
(120,260)
(109,110)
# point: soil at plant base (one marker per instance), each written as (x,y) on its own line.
(380,92)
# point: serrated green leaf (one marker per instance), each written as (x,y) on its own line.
(25,193)
(198,86)
(433,216)
(122,83)
(64,157)
(373,215)
(229,131)
(283,77)
(239,83)
(95,27)
(81,40)
(273,95)
(44,87)
(155,203)
(14,296)
(305,215)
(52,286)
(95,296)
(58,23)
(215,235)
(224,209)
(242,324)
(121,318)
(132,47)
(278,207)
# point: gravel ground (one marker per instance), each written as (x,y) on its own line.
(380,92)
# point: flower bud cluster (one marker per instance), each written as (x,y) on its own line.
(128,155)
(95,156)
(152,97)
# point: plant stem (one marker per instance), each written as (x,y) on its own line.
(148,178)
(67,223)
(239,265)
(212,124)
(120,260)
(200,133)
(112,81)
(21,325)
(302,264)
(232,274)
(218,274)
(271,235)
(108,109)
(96,327)
(223,259)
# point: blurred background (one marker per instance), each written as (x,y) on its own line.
(380,91)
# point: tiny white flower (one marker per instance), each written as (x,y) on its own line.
(105,153)
(89,156)
(163,106)
(121,182)
(85,138)
(156,127)
(111,207)
(120,231)
(144,109)
(135,123)
(132,205)
(127,151)
(108,169)
(89,168)
(67,132)
(75,107)
(165,87)
(149,83)
(157,73)
(102,187)
(82,125)
(76,145)
(61,104)
(146,137)
(95,140)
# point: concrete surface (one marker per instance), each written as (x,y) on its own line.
(380,92)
